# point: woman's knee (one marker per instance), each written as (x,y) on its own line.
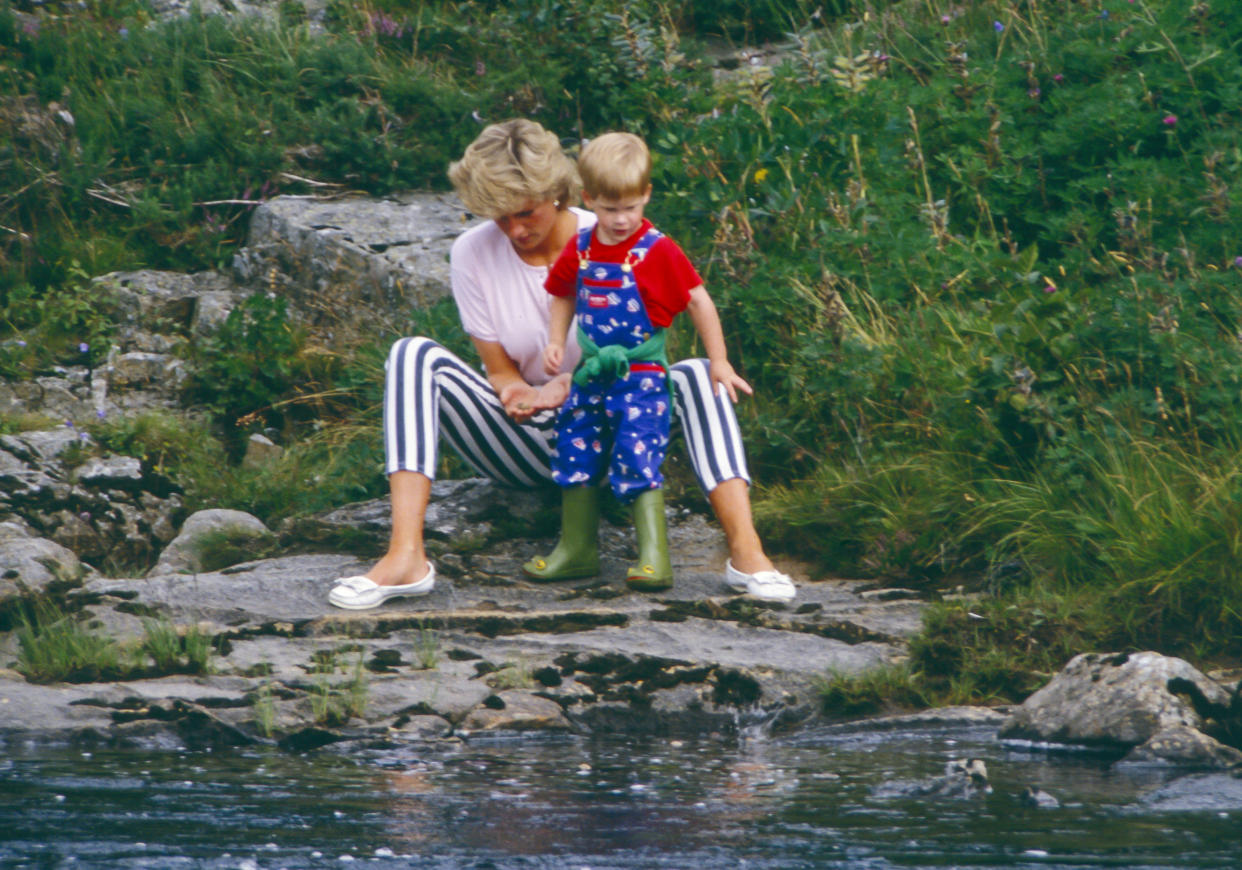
(402,348)
(690,367)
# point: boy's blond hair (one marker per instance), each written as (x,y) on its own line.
(615,166)
(510,164)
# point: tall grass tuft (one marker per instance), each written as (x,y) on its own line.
(174,650)
(1154,527)
(54,647)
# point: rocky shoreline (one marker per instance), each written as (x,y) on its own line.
(487,652)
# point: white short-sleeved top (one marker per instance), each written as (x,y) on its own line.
(502,299)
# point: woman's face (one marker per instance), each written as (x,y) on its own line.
(530,226)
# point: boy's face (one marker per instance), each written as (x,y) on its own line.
(618,218)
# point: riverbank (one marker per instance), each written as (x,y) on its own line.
(486,650)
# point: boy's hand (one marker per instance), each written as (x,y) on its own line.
(553,356)
(723,375)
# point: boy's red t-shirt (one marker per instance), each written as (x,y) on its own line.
(665,276)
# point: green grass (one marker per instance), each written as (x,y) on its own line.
(886,690)
(55,647)
(264,707)
(427,648)
(174,650)
(333,704)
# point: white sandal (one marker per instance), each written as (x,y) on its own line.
(766,585)
(363,593)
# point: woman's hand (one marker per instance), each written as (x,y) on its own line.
(522,401)
(519,399)
(723,375)
(554,393)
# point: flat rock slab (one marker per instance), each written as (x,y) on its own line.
(486,651)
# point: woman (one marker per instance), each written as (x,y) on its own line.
(516,174)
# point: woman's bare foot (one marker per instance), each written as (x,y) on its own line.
(749,561)
(398,568)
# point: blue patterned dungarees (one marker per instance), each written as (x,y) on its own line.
(634,408)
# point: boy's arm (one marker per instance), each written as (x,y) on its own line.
(561,313)
(707,321)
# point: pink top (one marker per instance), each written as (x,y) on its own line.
(500,298)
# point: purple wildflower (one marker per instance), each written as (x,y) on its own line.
(83,347)
(1103,14)
(21,342)
(101,414)
(945,19)
(997,26)
(1050,288)
(1058,78)
(1170,120)
(1237,261)
(385,25)
(1033,93)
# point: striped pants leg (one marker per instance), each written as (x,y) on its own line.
(713,438)
(429,391)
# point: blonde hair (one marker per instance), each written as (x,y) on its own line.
(510,164)
(615,165)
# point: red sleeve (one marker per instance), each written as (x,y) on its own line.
(562,278)
(666,276)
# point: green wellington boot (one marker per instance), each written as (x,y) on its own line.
(653,571)
(577,552)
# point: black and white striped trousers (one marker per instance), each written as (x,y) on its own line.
(429,391)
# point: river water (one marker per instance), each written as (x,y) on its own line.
(822,800)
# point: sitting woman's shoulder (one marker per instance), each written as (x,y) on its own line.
(478,238)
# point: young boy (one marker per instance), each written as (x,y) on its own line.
(626,281)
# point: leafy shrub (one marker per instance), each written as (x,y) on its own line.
(69,326)
(251,362)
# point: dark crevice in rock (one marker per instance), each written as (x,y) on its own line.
(549,677)
(736,689)
(767,615)
(309,739)
(1221,722)
(489,625)
(136,608)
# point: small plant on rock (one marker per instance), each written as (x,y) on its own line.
(174,651)
(264,706)
(512,675)
(427,648)
(334,705)
(55,647)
